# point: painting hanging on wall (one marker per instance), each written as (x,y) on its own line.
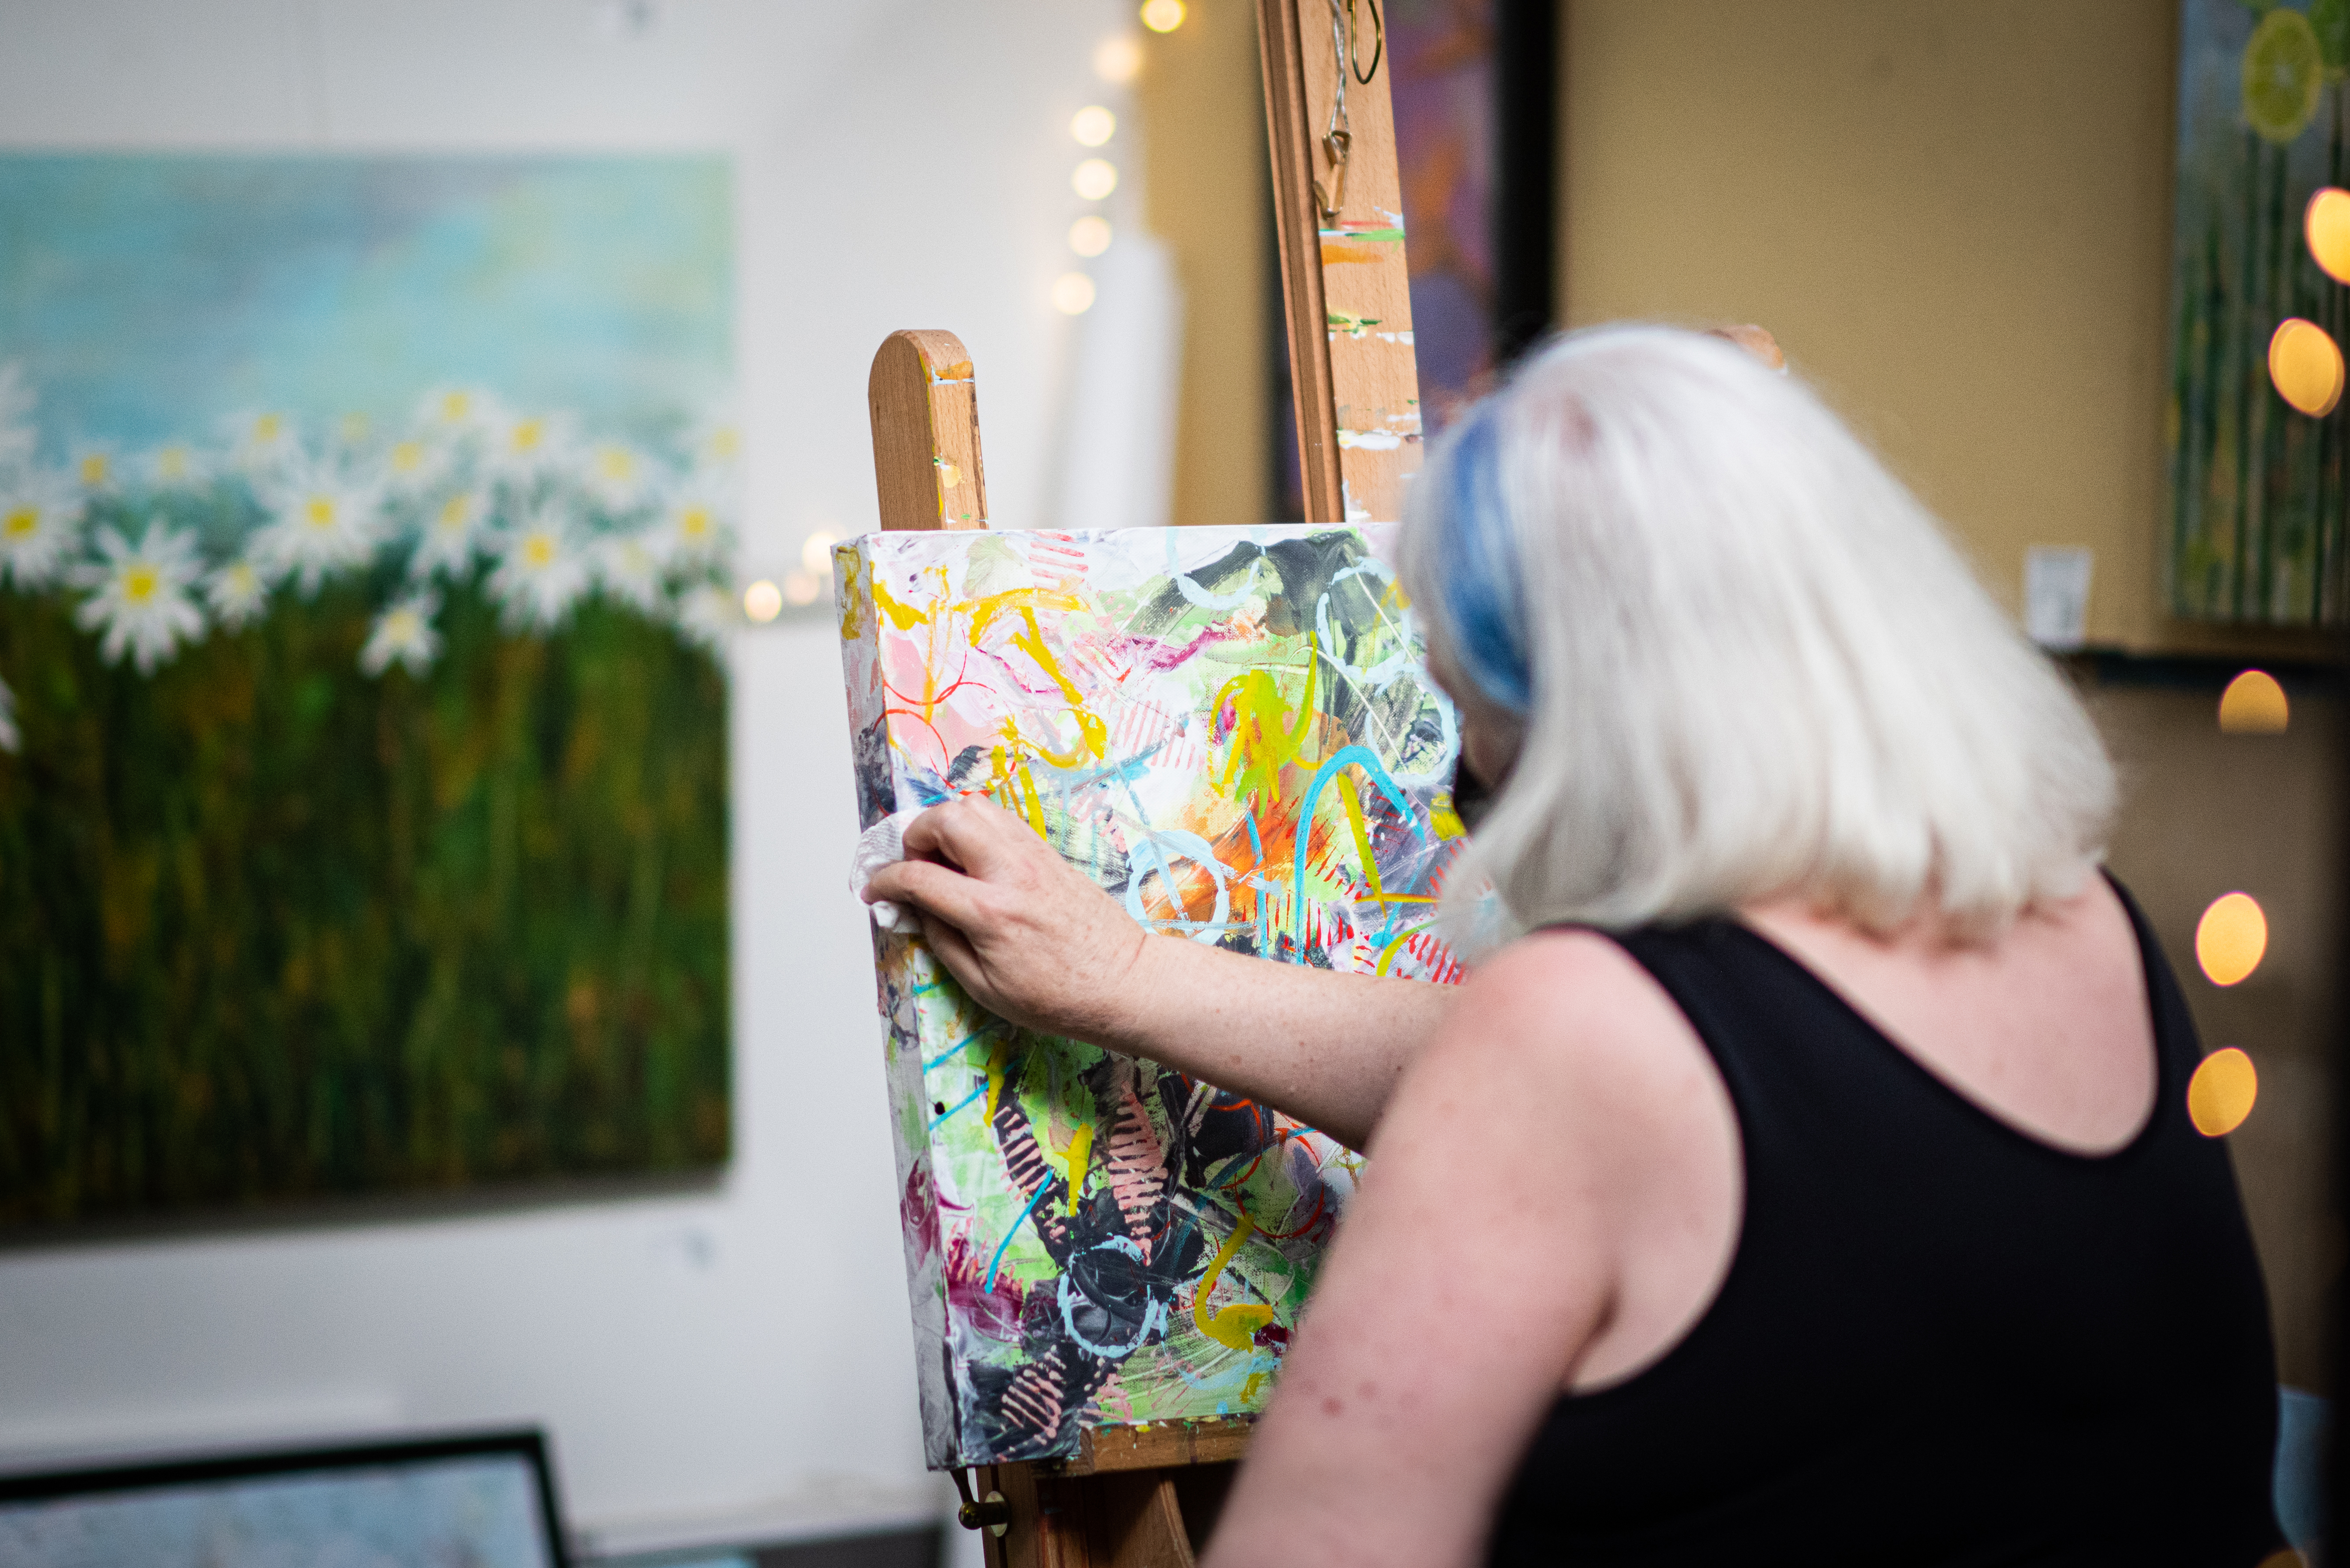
(364,533)
(1231,730)
(2257,481)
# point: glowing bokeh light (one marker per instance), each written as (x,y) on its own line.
(802,587)
(1119,60)
(2221,1094)
(2306,366)
(2325,223)
(2254,705)
(2232,938)
(1092,125)
(1094,179)
(762,601)
(1073,294)
(1163,16)
(815,552)
(1089,235)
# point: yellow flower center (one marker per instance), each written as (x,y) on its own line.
(408,457)
(266,428)
(455,405)
(23,523)
(319,511)
(355,427)
(454,512)
(725,442)
(171,462)
(401,626)
(93,470)
(539,550)
(615,463)
(527,433)
(693,522)
(241,577)
(139,582)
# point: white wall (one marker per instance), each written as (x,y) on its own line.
(697,1359)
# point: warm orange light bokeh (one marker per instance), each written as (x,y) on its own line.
(2325,223)
(2306,366)
(2221,1094)
(2253,705)
(2232,938)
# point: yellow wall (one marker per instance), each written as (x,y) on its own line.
(1954,213)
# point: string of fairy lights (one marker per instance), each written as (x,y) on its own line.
(1117,60)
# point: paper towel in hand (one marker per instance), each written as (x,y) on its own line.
(883,843)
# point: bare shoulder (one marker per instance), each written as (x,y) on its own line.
(1565,1010)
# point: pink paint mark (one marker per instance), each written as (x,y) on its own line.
(995,1313)
(918,1212)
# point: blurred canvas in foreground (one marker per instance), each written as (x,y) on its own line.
(2258,485)
(363,539)
(486,1502)
(1231,730)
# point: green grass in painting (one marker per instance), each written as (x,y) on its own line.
(271,929)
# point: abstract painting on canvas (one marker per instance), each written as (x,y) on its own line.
(1230,729)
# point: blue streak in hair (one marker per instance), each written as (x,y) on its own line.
(1480,571)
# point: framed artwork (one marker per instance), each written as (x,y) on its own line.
(485,1501)
(2256,480)
(364,548)
(1231,730)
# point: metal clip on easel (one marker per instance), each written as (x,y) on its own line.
(1338,140)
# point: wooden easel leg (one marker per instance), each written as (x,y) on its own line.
(1126,1519)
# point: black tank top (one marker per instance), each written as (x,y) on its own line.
(1941,1340)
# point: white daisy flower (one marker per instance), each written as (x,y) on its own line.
(695,520)
(414,464)
(9,740)
(178,465)
(450,415)
(96,470)
(453,535)
(707,613)
(716,441)
(17,433)
(321,523)
(143,604)
(618,475)
(262,442)
(522,447)
(40,522)
(542,570)
(629,568)
(403,634)
(238,594)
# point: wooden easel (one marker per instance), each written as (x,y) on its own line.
(1140,1496)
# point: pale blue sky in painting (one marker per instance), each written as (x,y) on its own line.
(150,297)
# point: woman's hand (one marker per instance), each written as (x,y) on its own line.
(1031,939)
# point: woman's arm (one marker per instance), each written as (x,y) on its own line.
(1038,943)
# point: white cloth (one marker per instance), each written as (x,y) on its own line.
(883,843)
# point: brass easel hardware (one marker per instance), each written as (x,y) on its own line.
(1338,140)
(992,1513)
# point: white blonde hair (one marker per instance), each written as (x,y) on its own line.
(1748,663)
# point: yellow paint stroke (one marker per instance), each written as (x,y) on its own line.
(1081,1157)
(847,563)
(1032,808)
(1263,743)
(1362,833)
(1235,1326)
(1249,1388)
(1396,946)
(906,617)
(1341,255)
(999,1056)
(1096,733)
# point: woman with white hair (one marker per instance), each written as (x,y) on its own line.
(1804,1174)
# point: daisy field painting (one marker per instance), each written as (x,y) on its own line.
(366,528)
